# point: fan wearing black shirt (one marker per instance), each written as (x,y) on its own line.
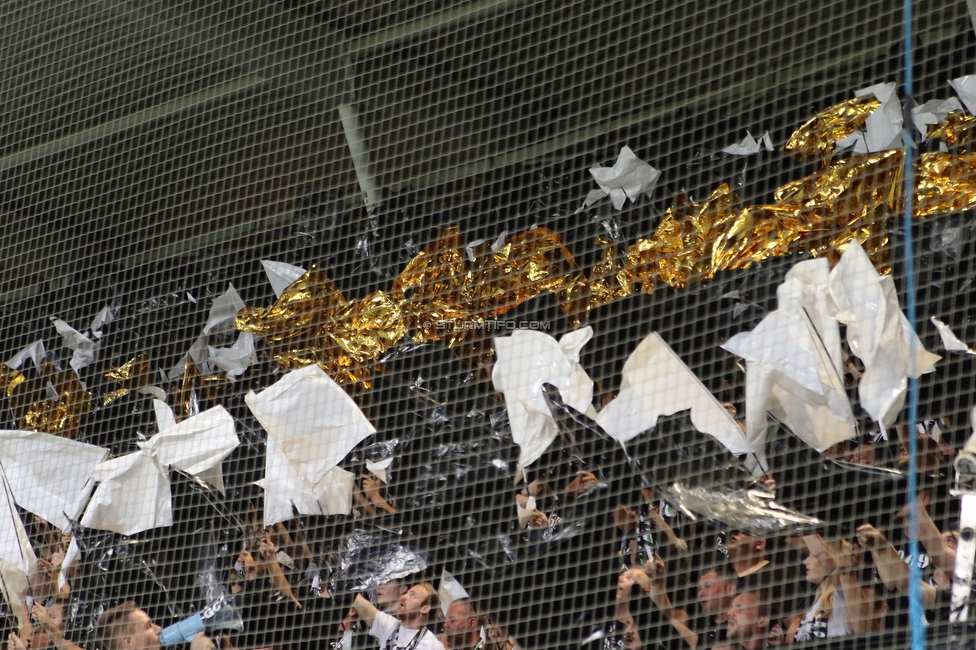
(716,589)
(646,587)
(894,572)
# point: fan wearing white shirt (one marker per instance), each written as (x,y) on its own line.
(407,630)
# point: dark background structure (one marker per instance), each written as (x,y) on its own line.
(153,152)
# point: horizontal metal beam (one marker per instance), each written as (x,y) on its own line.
(179,248)
(130,121)
(733,91)
(207,240)
(453,17)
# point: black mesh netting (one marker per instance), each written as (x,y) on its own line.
(573,313)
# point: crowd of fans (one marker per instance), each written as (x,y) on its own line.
(749,589)
(679,584)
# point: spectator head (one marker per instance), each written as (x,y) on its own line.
(716,589)
(126,627)
(816,571)
(747,553)
(951,539)
(388,595)
(632,638)
(40,639)
(745,546)
(817,574)
(461,625)
(629,578)
(748,620)
(418,605)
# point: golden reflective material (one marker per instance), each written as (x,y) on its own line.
(848,199)
(437,296)
(526,266)
(185,394)
(429,287)
(134,373)
(642,263)
(957,130)
(370,327)
(442,295)
(114,395)
(679,252)
(302,309)
(700,226)
(297,327)
(756,234)
(11,379)
(356,335)
(609,279)
(945,183)
(816,137)
(62,416)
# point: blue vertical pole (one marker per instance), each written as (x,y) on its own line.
(915,610)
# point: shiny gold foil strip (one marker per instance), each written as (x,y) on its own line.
(756,234)
(643,258)
(816,137)
(134,373)
(609,280)
(820,214)
(13,380)
(439,295)
(945,183)
(63,416)
(114,395)
(184,395)
(367,329)
(302,309)
(958,130)
(704,224)
(527,265)
(680,250)
(429,287)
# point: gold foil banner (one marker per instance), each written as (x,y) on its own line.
(133,374)
(945,183)
(437,296)
(609,280)
(816,137)
(441,295)
(957,130)
(62,416)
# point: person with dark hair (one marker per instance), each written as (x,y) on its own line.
(716,589)
(461,626)
(748,621)
(644,613)
(388,597)
(408,630)
(126,627)
(49,632)
(747,553)
(894,572)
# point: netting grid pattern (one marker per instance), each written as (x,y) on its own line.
(587,317)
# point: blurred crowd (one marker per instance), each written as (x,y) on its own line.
(681,582)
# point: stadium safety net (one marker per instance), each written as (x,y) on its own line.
(498,324)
